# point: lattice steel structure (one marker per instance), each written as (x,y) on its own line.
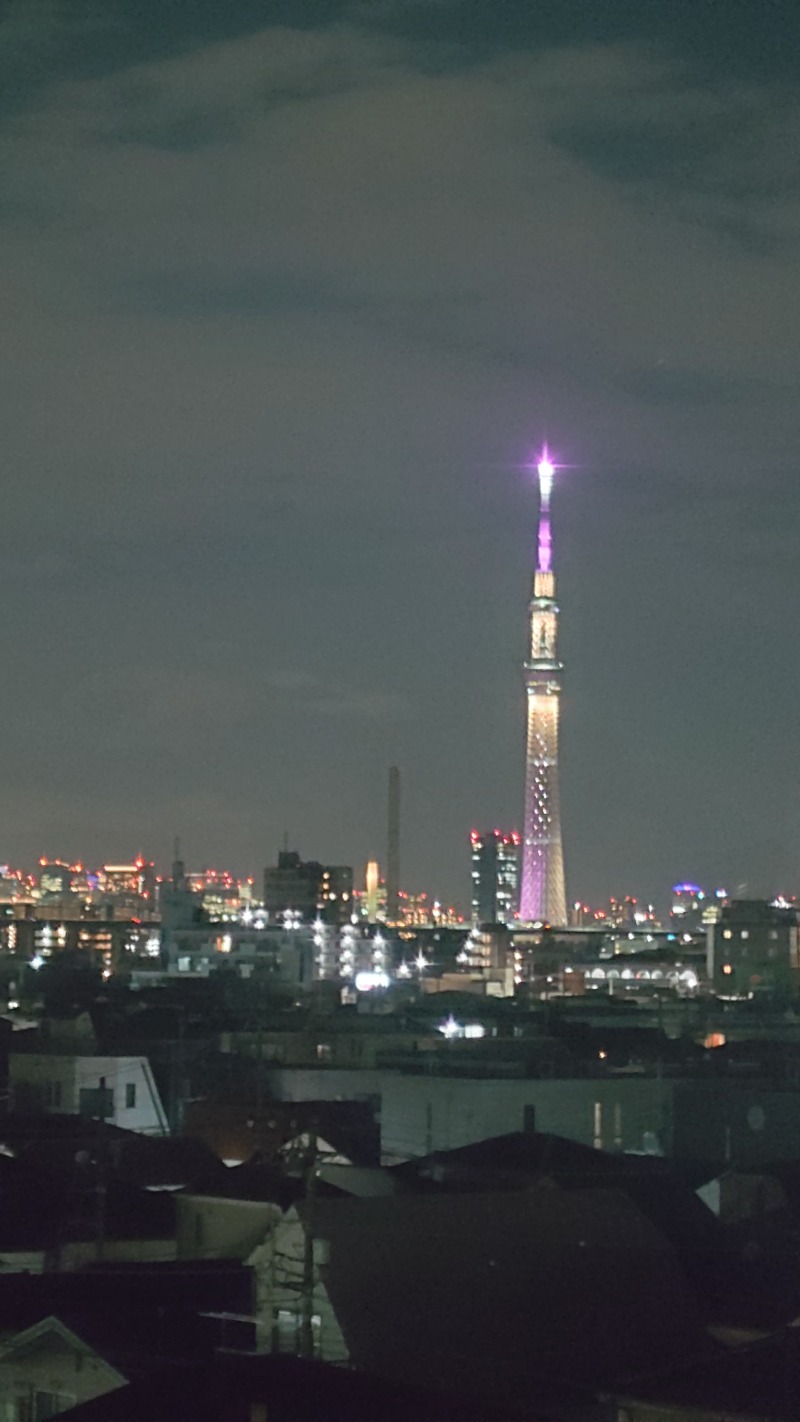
(543,894)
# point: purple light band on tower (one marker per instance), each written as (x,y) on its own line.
(545,552)
(545,471)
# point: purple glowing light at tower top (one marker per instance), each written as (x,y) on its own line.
(545,469)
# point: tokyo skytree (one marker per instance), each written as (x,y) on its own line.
(543,896)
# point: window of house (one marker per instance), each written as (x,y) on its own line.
(50,1404)
(597,1123)
(290,1332)
(130,1095)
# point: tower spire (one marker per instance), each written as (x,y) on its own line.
(543,894)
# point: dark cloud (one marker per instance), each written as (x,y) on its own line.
(286,306)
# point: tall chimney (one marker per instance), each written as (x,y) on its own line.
(393,848)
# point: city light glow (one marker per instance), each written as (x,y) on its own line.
(370,981)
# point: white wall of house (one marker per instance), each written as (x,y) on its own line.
(280,1264)
(214,1227)
(273,1244)
(120,1089)
(47,1369)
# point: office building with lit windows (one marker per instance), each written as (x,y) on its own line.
(495,864)
(754,951)
(308,889)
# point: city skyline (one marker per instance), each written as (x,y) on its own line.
(287,306)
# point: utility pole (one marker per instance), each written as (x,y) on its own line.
(102,1193)
(306,1349)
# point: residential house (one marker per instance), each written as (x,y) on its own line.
(120,1090)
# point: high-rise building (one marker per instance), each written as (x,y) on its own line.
(754,949)
(495,876)
(335,895)
(307,889)
(55,879)
(543,893)
(129,885)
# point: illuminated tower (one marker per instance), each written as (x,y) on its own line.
(543,895)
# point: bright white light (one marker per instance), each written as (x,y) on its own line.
(474,1029)
(404,971)
(37,961)
(367,982)
(450,1028)
(420,962)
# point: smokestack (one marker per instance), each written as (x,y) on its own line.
(393,848)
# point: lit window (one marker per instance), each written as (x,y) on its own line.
(745,933)
(726,933)
(727,969)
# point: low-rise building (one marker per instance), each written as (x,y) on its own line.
(119,1090)
(48,1369)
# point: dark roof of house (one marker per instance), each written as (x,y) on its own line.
(43,1208)
(760,1381)
(256,1180)
(229,1389)
(521,1158)
(490,1294)
(734,1279)
(134,1315)
(54,1141)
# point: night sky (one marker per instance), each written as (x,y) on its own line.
(290,294)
